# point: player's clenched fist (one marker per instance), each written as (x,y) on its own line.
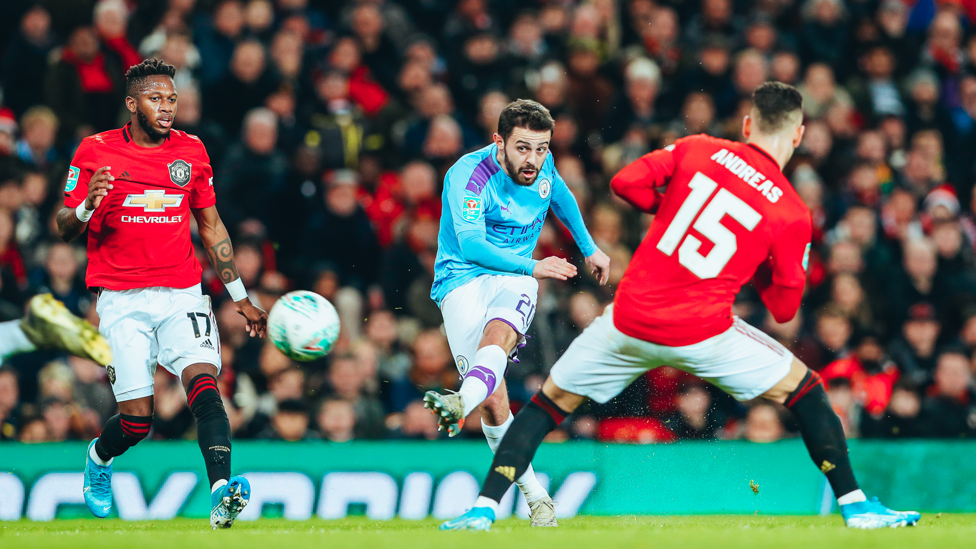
(98,187)
(554,267)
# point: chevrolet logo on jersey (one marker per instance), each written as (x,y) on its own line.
(153,201)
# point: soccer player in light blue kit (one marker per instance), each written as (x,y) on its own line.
(495,203)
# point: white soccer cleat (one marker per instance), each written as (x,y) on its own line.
(48,324)
(449,410)
(543,513)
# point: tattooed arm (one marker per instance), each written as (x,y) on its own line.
(221,253)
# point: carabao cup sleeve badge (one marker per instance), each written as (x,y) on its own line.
(471,208)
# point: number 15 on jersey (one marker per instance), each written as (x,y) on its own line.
(709,225)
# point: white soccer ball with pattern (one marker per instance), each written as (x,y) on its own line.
(303,325)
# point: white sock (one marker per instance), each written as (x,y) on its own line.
(482,379)
(94,455)
(482,501)
(13,340)
(217,485)
(527,483)
(853,497)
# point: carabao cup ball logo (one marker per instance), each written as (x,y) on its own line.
(544,188)
(179,172)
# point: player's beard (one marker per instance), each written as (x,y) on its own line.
(152,132)
(516,174)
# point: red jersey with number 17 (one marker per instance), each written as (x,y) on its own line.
(728,210)
(139,236)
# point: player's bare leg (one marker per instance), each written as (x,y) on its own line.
(484,387)
(228,495)
(548,408)
(802,392)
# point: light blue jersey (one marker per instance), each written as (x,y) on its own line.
(490,224)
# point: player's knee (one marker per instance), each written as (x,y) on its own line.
(500,333)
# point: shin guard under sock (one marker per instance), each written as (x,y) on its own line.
(213,427)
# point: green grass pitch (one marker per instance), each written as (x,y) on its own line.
(942,531)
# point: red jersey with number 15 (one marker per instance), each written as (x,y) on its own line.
(728,210)
(139,236)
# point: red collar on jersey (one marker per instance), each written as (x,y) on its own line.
(760,151)
(126,131)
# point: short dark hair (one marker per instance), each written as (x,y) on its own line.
(524,113)
(135,77)
(776,103)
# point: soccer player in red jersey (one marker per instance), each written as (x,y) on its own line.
(727,216)
(134,190)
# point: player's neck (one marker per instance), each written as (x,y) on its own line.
(143,139)
(777,147)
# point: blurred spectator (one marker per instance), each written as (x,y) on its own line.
(763,424)
(245,86)
(901,419)
(9,403)
(26,59)
(870,372)
(336,420)
(346,381)
(60,278)
(417,423)
(290,423)
(432,370)
(85,87)
(357,253)
(949,405)
(914,348)
(39,128)
(216,38)
(253,173)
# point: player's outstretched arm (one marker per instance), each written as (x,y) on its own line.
(216,240)
(73,221)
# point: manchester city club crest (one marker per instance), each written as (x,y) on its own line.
(544,188)
(179,172)
(111,374)
(462,364)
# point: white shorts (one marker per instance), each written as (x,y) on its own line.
(171,327)
(743,361)
(469,308)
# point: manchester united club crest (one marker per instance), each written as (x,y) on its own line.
(179,172)
(111,374)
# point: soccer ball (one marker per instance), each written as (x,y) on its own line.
(303,325)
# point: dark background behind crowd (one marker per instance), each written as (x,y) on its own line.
(330,125)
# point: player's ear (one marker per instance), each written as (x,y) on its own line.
(499,141)
(798,138)
(746,126)
(130,104)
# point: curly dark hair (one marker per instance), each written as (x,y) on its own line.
(135,77)
(524,113)
(776,104)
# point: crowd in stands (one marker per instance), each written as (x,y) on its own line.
(331,123)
